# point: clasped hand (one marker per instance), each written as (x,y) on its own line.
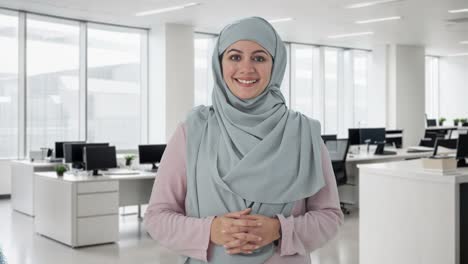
(240,232)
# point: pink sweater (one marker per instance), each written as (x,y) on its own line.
(314,220)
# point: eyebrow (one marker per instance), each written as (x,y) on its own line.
(257,51)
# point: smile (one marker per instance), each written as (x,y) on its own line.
(246,81)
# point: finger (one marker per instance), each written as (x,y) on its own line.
(238,214)
(246,222)
(237,229)
(251,217)
(249,247)
(247,237)
(235,244)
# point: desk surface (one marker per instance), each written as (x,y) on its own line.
(413,169)
(38,163)
(86,178)
(401,154)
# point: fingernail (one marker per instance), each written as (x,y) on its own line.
(249,252)
(259,239)
(225,246)
(223,231)
(259,223)
(256,247)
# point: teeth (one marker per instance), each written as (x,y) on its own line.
(247,82)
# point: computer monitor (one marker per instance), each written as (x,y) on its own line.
(354,137)
(431,122)
(462,150)
(99,158)
(372,135)
(151,154)
(59,148)
(447,143)
(73,152)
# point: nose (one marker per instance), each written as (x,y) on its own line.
(246,66)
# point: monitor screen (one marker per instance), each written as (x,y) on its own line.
(354,136)
(73,152)
(372,135)
(462,146)
(151,154)
(59,153)
(99,157)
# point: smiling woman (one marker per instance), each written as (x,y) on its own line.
(246,69)
(245,180)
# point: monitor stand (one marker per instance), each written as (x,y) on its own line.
(77,165)
(96,173)
(154,168)
(461,163)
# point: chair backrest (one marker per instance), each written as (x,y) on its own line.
(446,143)
(338,150)
(325,138)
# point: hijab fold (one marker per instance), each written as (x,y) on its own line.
(250,152)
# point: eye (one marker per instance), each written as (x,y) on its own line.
(258,58)
(235,57)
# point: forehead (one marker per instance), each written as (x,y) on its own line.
(246,46)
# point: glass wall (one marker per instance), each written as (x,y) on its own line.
(52,66)
(204,45)
(8,85)
(62,79)
(114,86)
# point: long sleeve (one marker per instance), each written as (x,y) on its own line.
(304,233)
(165,218)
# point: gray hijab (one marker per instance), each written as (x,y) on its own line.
(250,153)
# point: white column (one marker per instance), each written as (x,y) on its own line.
(406,91)
(171,79)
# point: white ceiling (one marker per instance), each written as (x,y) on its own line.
(424,21)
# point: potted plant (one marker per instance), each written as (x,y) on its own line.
(60,169)
(441,121)
(128,159)
(456,121)
(463,120)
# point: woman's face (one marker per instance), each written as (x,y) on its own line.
(246,68)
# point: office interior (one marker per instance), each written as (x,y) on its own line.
(126,73)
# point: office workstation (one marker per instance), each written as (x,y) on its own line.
(404,206)
(107,79)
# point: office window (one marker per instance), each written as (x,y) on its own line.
(432,87)
(9,85)
(52,66)
(302,86)
(330,125)
(204,45)
(114,95)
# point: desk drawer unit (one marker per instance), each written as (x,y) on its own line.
(97,230)
(96,204)
(94,187)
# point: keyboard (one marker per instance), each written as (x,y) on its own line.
(120,172)
(419,149)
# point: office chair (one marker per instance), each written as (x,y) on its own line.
(325,138)
(338,149)
(430,139)
(446,143)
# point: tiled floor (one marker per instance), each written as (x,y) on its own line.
(21,245)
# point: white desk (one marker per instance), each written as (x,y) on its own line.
(84,210)
(22,183)
(349,193)
(411,215)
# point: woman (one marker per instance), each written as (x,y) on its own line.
(245,180)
